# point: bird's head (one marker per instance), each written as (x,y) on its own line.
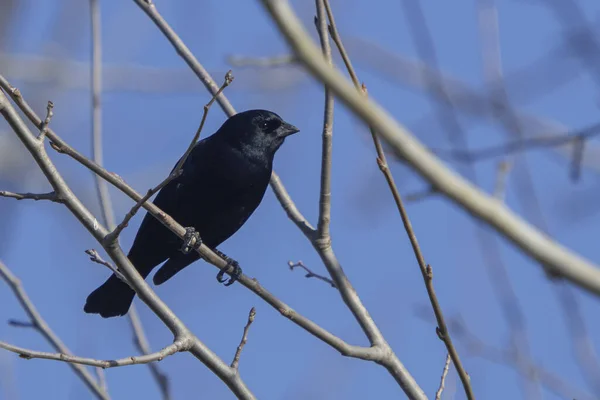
(256,132)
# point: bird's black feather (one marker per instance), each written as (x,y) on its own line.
(224,180)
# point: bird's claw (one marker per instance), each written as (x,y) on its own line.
(191,240)
(235,274)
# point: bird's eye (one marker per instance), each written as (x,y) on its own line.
(271,125)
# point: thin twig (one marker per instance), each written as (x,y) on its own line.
(97,258)
(114,235)
(28,354)
(227,81)
(40,325)
(44,127)
(438,394)
(309,273)
(236,358)
(51,196)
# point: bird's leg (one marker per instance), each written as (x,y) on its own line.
(191,240)
(235,274)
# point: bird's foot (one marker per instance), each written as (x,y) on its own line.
(234,266)
(191,240)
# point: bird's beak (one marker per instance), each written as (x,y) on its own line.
(287,129)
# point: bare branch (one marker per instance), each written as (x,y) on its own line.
(97,258)
(309,273)
(39,324)
(27,354)
(51,196)
(46,122)
(236,359)
(438,394)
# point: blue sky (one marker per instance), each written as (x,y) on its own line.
(146,131)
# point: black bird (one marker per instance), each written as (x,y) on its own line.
(223,181)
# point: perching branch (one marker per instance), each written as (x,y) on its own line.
(39,324)
(380,350)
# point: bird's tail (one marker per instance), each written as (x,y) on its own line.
(111,299)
